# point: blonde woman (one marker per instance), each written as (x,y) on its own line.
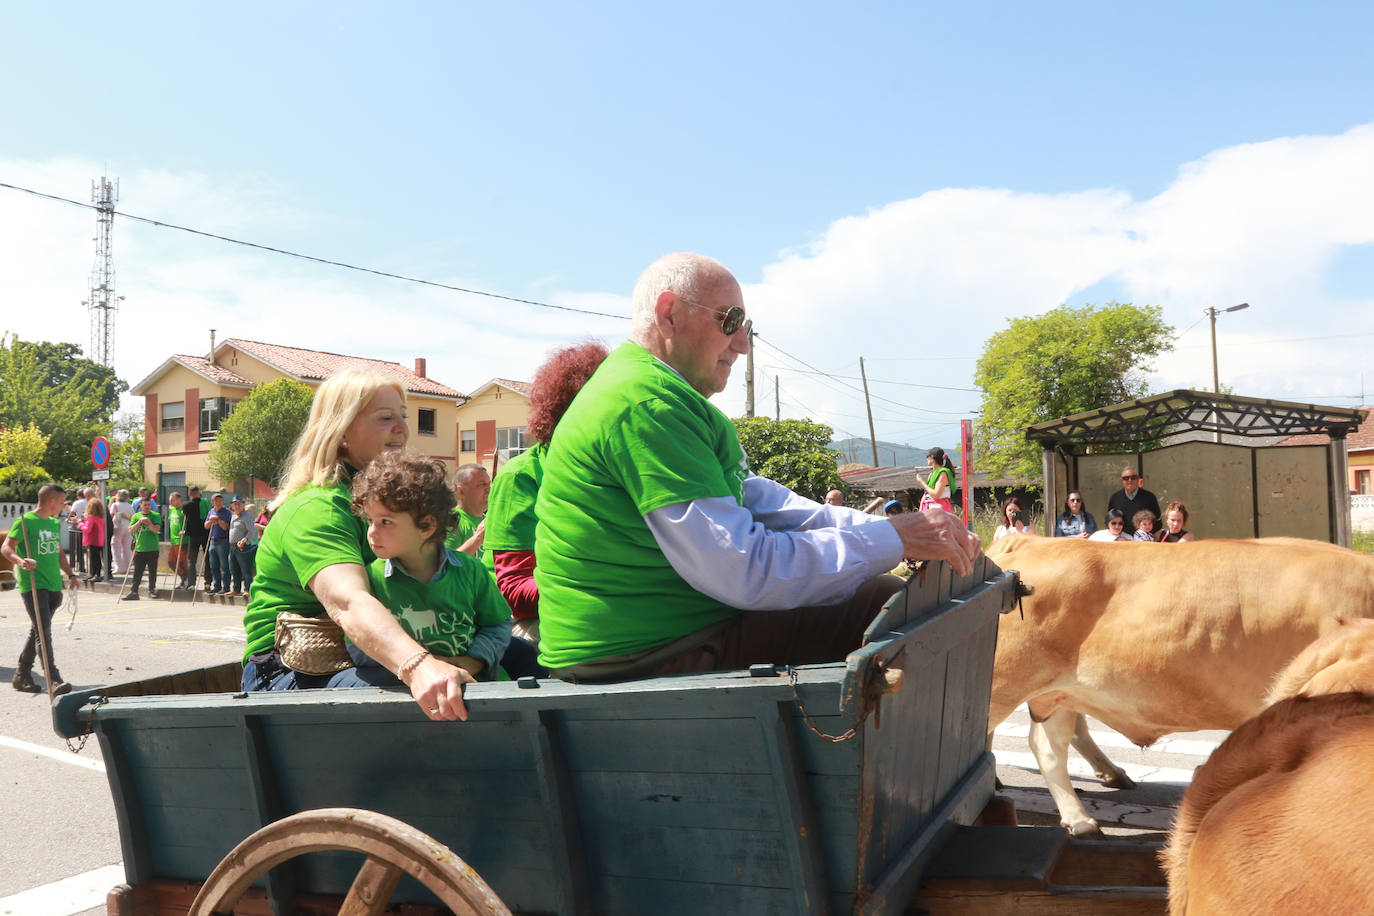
(313,558)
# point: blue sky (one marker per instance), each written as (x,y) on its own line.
(887,180)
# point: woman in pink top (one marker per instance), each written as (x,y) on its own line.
(93,536)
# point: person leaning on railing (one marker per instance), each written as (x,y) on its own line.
(313,558)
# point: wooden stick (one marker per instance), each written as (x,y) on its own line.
(37,610)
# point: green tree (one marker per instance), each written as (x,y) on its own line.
(21,473)
(1063,362)
(255,440)
(126,454)
(795,453)
(70,399)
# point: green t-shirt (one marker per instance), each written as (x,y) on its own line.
(443,614)
(313,529)
(45,540)
(636,438)
(510,511)
(145,539)
(175,521)
(467,525)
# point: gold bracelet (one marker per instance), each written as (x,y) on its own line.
(410,664)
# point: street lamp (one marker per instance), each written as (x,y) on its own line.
(1212,313)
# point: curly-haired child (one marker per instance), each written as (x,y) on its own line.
(446,601)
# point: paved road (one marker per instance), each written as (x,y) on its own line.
(1162,773)
(60,854)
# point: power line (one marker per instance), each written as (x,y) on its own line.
(317,260)
(879,380)
(852,387)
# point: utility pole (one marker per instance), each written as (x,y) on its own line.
(749,377)
(1212,313)
(777,402)
(872,436)
(102,302)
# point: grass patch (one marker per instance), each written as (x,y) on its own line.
(1363,541)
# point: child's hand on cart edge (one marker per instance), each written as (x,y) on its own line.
(438,687)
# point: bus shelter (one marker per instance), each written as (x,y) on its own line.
(1217,453)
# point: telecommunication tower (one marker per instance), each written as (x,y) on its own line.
(103,302)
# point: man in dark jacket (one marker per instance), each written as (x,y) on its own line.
(1131,498)
(195,511)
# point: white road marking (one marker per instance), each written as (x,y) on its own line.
(58,755)
(70,895)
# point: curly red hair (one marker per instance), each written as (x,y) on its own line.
(557,382)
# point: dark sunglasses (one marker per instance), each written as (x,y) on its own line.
(1130,477)
(731,320)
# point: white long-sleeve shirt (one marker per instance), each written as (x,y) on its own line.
(777,551)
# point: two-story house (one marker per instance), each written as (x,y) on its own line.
(187,397)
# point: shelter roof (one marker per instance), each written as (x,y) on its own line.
(1184,410)
(1362,438)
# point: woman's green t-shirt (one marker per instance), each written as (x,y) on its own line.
(313,529)
(510,510)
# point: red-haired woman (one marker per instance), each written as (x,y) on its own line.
(510,520)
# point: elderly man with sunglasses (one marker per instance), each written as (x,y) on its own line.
(658,552)
(1131,498)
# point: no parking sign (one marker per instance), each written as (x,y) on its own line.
(100,452)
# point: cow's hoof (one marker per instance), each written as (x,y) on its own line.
(1118,780)
(1085,829)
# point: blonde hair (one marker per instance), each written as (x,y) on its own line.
(315,459)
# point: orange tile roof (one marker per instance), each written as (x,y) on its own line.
(220,374)
(1362,438)
(318,365)
(522,387)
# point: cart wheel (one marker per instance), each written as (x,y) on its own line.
(393,848)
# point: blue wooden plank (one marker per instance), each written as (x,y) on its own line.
(746,858)
(265,792)
(796,815)
(893,890)
(134,840)
(680,745)
(638,897)
(573,891)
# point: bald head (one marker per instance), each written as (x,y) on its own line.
(834,498)
(680,305)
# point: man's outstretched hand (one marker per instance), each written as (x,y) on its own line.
(937,535)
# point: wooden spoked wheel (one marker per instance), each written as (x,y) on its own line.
(393,849)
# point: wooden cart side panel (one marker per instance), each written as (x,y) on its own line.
(932,732)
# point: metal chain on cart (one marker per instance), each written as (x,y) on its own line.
(85,736)
(846,735)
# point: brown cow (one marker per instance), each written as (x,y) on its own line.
(1276,819)
(1152,639)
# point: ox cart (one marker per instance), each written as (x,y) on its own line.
(824,789)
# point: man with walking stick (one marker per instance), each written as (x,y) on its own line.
(34,546)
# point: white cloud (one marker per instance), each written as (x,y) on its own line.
(906,285)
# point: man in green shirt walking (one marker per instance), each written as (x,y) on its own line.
(34,546)
(144,526)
